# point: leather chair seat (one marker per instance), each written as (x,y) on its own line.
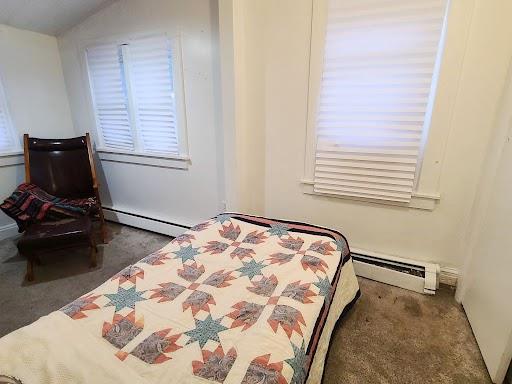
(55,234)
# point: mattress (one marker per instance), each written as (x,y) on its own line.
(235,299)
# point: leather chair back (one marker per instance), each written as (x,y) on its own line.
(62,167)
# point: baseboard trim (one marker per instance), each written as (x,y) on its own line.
(144,222)
(449,276)
(9,230)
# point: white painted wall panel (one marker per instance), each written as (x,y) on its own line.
(32,76)
(474,68)
(175,195)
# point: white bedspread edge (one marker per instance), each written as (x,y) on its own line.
(345,292)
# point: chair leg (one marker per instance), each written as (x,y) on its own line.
(94,251)
(103,227)
(30,269)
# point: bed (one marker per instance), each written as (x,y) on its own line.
(235,299)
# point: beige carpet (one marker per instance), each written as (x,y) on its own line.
(397,336)
(391,335)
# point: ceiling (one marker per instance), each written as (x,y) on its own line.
(51,17)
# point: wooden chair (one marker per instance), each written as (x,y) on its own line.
(64,168)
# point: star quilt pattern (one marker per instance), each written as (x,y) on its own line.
(236,299)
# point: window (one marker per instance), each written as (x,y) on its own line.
(9,142)
(133,85)
(380,59)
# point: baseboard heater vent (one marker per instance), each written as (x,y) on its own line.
(144,222)
(404,273)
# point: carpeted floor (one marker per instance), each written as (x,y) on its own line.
(65,275)
(391,335)
(396,336)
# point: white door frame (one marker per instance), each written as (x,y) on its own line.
(502,134)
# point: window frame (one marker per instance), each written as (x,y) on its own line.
(4,105)
(426,190)
(138,156)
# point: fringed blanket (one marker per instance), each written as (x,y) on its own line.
(29,203)
(235,300)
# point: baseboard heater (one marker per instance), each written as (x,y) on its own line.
(144,222)
(404,273)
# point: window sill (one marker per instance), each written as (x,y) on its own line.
(419,200)
(9,159)
(153,160)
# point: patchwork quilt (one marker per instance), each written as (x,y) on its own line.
(236,299)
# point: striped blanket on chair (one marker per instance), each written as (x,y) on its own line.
(29,204)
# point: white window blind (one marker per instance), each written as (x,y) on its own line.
(153,90)
(8,140)
(110,96)
(379,63)
(132,85)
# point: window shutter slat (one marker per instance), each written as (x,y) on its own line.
(360,172)
(110,96)
(151,73)
(378,69)
(372,196)
(363,179)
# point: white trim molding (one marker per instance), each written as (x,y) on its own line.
(9,230)
(419,200)
(11,159)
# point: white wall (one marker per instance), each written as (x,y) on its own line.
(253,63)
(270,65)
(243,63)
(179,196)
(31,73)
(474,68)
